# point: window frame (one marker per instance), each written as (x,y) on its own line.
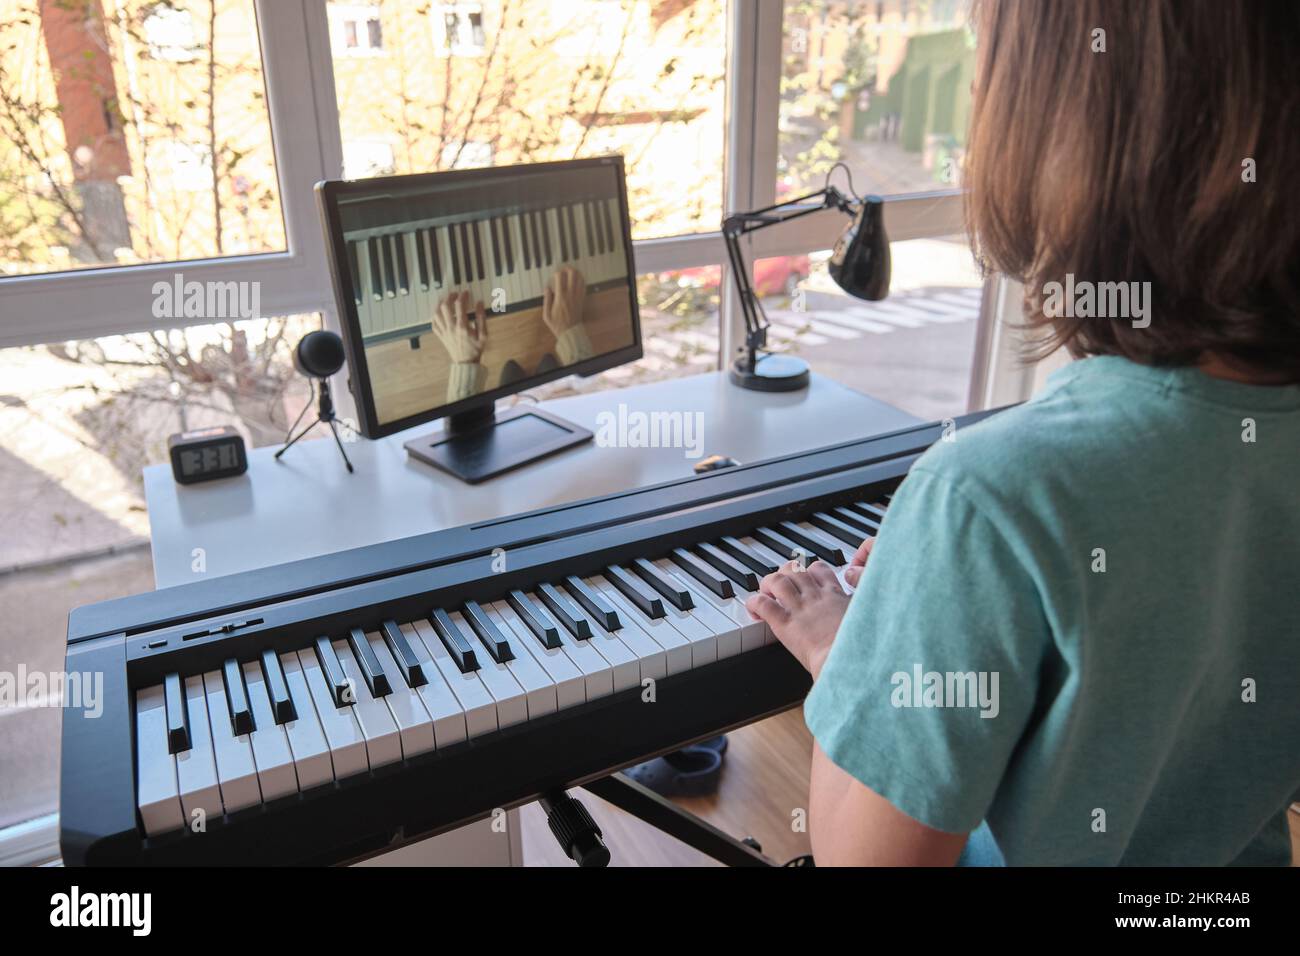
(298,70)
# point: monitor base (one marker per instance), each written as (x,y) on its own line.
(481,444)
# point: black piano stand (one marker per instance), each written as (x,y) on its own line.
(581,839)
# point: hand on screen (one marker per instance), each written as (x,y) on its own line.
(563,300)
(463,339)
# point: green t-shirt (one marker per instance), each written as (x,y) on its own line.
(1081,623)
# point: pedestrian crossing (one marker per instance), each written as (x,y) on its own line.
(668,347)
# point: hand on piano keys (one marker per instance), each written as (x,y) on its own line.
(462,330)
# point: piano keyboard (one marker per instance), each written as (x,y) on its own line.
(400,274)
(255,731)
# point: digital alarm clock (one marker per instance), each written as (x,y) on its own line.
(207,453)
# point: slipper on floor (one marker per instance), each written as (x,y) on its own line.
(692,772)
(717,744)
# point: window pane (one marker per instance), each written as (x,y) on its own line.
(471,84)
(913,349)
(883,86)
(132,132)
(78,422)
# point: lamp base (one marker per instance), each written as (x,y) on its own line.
(772,372)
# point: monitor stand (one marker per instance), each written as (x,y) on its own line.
(478,444)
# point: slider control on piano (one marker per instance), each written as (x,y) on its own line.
(256,730)
(400,273)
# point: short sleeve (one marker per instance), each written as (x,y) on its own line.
(933,676)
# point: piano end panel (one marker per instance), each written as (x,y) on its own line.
(97,819)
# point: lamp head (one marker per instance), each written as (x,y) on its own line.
(319,354)
(860,264)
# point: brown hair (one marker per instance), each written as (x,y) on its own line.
(1129,165)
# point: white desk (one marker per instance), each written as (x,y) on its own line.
(307,504)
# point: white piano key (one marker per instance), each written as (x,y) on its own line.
(383,742)
(478,704)
(347,744)
(444,709)
(196,768)
(650,655)
(512,702)
(702,639)
(753,632)
(597,672)
(157,790)
(539,689)
(569,683)
(413,721)
(677,649)
(275,770)
(311,752)
(728,632)
(236,769)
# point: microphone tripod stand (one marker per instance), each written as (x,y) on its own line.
(324,416)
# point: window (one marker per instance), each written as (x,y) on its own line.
(461,29)
(466,155)
(561,80)
(355,30)
(913,349)
(365,158)
(170,34)
(93,111)
(887,94)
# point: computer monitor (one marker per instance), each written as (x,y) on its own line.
(545,248)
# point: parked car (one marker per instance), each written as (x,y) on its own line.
(779,275)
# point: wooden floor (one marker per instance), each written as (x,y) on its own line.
(764,780)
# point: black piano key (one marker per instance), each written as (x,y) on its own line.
(277,688)
(854,519)
(837,528)
(474,228)
(407,662)
(779,543)
(376,273)
(562,228)
(593,603)
(466,254)
(543,628)
(403,273)
(647,602)
(178,717)
(678,597)
(496,245)
(573,230)
(829,553)
(333,670)
(746,555)
(371,672)
(544,225)
(241,715)
(732,568)
(355,265)
(488,633)
(435,260)
(390,274)
(453,245)
(457,644)
(716,582)
(874,512)
(421,260)
(537,239)
(506,245)
(565,611)
(524,246)
(586,218)
(609,225)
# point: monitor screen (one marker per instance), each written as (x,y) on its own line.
(456,288)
